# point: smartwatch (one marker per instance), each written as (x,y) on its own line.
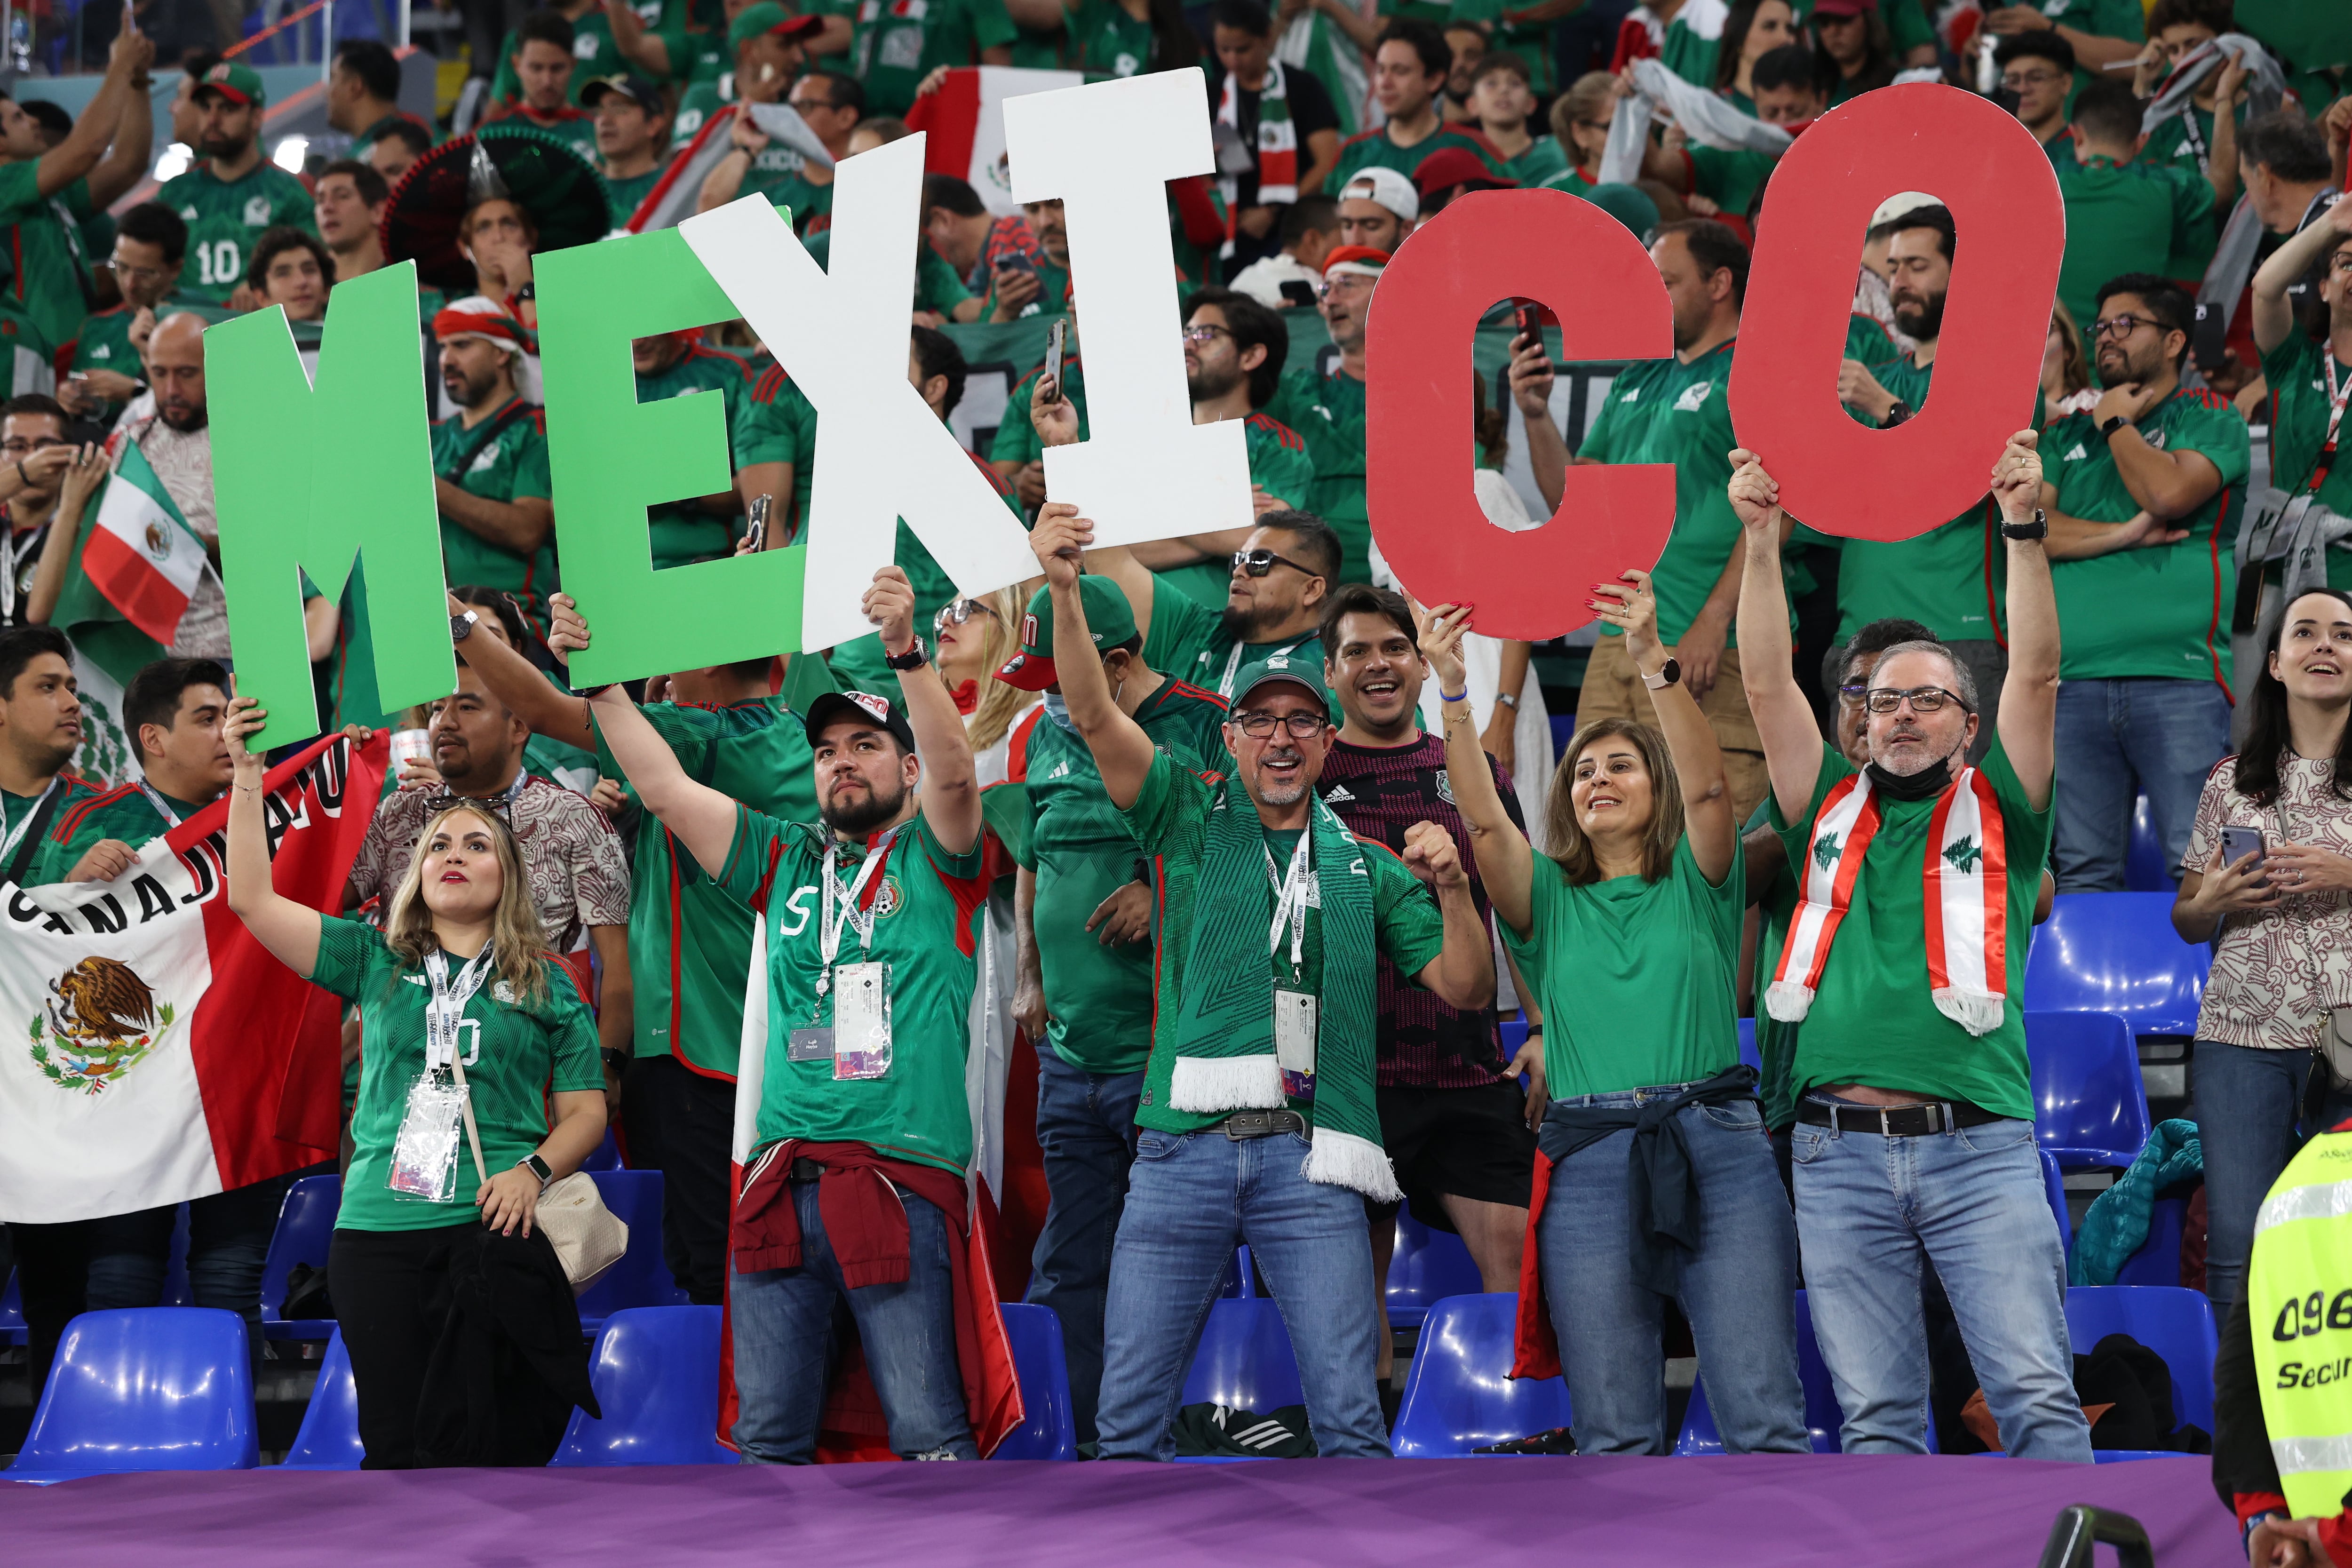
(537,1167)
(618,1060)
(915,658)
(2113,425)
(1668,673)
(1507,700)
(2038,529)
(462,626)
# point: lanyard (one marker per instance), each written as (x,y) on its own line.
(1290,901)
(1233,665)
(155,798)
(2336,400)
(829,922)
(447,1008)
(15,553)
(32,813)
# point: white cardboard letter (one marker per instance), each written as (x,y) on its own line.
(1145,471)
(882,454)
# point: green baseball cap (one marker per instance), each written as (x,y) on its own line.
(768,17)
(233,80)
(1109,622)
(1301,666)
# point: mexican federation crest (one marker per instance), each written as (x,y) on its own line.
(103,1022)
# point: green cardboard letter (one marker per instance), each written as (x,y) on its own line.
(611,457)
(306,473)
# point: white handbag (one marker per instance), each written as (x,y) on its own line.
(588,1238)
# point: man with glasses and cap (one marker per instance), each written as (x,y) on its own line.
(1083,918)
(1259,1123)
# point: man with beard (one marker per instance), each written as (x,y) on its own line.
(2145,493)
(171,426)
(1022,286)
(490,462)
(855,1197)
(232,195)
(1945,578)
(1328,410)
(1258,1117)
(1674,410)
(1233,350)
(1913,1132)
(542,57)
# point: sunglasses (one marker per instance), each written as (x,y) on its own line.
(1257,726)
(956,612)
(1258,563)
(1923,699)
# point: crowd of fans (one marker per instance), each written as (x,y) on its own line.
(1770,718)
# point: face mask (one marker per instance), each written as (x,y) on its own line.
(1057,709)
(1926,785)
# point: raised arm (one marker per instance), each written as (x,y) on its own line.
(288,929)
(78,153)
(703,819)
(2274,316)
(82,482)
(1531,385)
(1792,742)
(517,682)
(1122,751)
(2029,698)
(134,145)
(1690,739)
(951,779)
(1462,973)
(1506,863)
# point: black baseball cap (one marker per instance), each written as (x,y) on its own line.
(858,708)
(629,85)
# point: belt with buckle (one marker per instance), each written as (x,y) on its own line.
(1243,1124)
(804,1170)
(1894,1121)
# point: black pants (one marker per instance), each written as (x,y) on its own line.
(682,1124)
(52,1276)
(391,1290)
(228,1242)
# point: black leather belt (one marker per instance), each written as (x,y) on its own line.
(1262,1124)
(1894,1121)
(805,1169)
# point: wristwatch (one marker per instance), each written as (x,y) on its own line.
(537,1167)
(2113,425)
(2038,529)
(1896,415)
(915,658)
(1507,700)
(1668,673)
(462,626)
(618,1060)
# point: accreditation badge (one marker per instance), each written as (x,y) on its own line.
(1294,1041)
(425,1152)
(861,1020)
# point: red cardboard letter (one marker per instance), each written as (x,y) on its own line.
(1841,477)
(1574,258)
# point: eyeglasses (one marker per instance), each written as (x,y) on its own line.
(1258,563)
(2120,327)
(957,612)
(2018,81)
(17,445)
(1203,336)
(130,274)
(1854,694)
(1923,699)
(1345,284)
(1257,725)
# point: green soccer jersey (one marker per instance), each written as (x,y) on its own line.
(921,899)
(1105,41)
(1949,579)
(364,143)
(1327,411)
(776,422)
(1170,820)
(1542,162)
(1052,298)
(225,217)
(1099,998)
(1874,1018)
(1635,978)
(1424,11)
(1775,1042)
(682,530)
(1667,411)
(596,53)
(1016,438)
(2156,612)
(898,43)
(1729,179)
(1189,640)
(937,287)
(1278,465)
(780,174)
(502,458)
(105,344)
(2129,217)
(1906,25)
(2298,372)
(698,105)
(515,1052)
(690,942)
(1689,53)
(2183,139)
(859,664)
(1867,342)
(1573,180)
(1373,149)
(41,247)
(123,814)
(623,196)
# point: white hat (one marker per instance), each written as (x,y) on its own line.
(1387,187)
(1896,207)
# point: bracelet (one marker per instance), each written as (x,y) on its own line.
(1462,696)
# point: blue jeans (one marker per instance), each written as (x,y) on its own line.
(2121,739)
(228,1243)
(1973,1202)
(1192,1198)
(784,1344)
(1085,1127)
(1737,1290)
(2247,1102)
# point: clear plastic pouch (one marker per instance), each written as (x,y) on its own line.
(861,1020)
(424,1155)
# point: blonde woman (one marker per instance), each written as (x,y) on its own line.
(2065,376)
(462,957)
(971,638)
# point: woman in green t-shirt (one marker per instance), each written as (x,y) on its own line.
(1656,1181)
(512,1018)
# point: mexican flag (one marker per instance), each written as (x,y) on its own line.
(141,553)
(151,1050)
(965,122)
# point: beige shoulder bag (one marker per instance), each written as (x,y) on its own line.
(589,1239)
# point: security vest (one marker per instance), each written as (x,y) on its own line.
(2299,1300)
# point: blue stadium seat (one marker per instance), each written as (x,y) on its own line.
(1240,1282)
(2158,1261)
(1822,1416)
(606,1156)
(1749,1051)
(656,1373)
(2117,952)
(2177,1324)
(2144,870)
(1427,1267)
(11,1312)
(1460,1394)
(1515,1035)
(144,1388)
(2090,1108)
(1048,1430)
(1244,1359)
(306,1225)
(641,1278)
(1563,730)
(329,1435)
(2054,1185)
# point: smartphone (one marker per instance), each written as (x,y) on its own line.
(1300,293)
(2237,843)
(1016,261)
(2208,338)
(758,531)
(1531,320)
(1055,335)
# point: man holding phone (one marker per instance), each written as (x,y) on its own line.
(1021,287)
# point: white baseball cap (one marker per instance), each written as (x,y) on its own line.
(1387,187)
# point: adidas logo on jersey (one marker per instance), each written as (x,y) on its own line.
(2075,455)
(103,351)
(1061,771)
(1339,795)
(189,214)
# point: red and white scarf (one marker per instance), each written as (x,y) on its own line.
(1278,138)
(1964,889)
